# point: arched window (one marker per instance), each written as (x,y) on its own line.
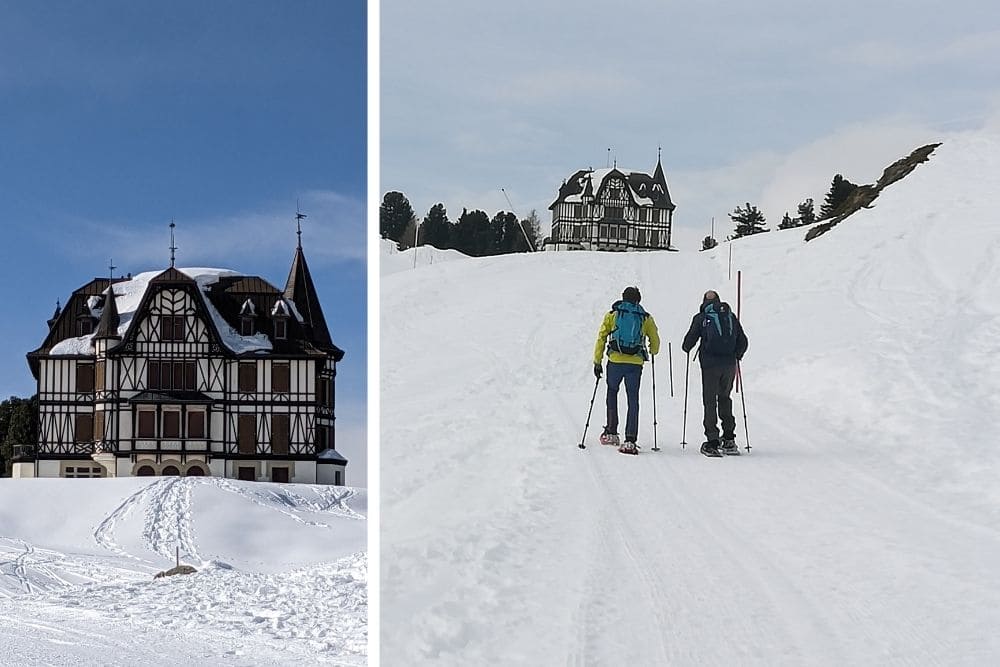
(195,471)
(171,471)
(145,471)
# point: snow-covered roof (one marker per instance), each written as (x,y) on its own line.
(129,294)
(330,455)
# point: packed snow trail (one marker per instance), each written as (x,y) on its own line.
(282,572)
(863,529)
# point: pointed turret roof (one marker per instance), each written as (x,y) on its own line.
(108,326)
(55,316)
(300,289)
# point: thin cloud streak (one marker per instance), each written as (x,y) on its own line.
(333,231)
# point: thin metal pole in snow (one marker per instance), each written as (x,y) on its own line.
(687,373)
(581,445)
(739,297)
(531,246)
(731,260)
(670,368)
(743,398)
(178,556)
(653,361)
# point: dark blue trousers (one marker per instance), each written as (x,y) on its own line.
(631,374)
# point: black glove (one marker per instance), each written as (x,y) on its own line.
(598,371)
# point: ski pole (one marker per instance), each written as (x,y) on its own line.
(687,373)
(743,399)
(670,368)
(581,445)
(653,360)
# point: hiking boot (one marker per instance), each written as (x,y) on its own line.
(711,448)
(729,447)
(629,447)
(609,439)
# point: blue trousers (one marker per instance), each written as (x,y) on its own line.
(631,374)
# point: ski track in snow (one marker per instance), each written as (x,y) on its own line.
(85,602)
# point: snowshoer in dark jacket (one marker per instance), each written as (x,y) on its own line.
(723,344)
(624,331)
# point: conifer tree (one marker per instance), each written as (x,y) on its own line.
(748,221)
(787,222)
(708,243)
(395,214)
(840,190)
(436,229)
(807,215)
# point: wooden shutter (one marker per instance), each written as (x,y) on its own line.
(196,424)
(248,377)
(178,372)
(279,434)
(247,434)
(152,375)
(147,424)
(190,375)
(171,424)
(85,377)
(84,428)
(279,474)
(98,426)
(280,377)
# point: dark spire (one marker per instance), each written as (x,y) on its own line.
(300,289)
(298,221)
(658,176)
(108,326)
(55,315)
(173,246)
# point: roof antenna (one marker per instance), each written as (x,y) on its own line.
(112,267)
(298,222)
(608,163)
(173,247)
(658,148)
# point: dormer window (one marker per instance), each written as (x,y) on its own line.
(280,314)
(247,316)
(84,325)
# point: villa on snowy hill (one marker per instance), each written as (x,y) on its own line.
(188,372)
(612,209)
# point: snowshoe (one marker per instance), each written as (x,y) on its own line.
(711,449)
(729,447)
(609,439)
(628,447)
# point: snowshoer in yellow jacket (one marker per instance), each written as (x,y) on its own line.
(624,333)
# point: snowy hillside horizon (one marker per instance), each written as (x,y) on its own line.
(864,528)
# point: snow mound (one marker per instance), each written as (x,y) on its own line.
(393,260)
(282,571)
(864,528)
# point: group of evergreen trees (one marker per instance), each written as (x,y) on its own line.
(749,220)
(18,426)
(474,233)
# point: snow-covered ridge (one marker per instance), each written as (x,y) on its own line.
(282,572)
(129,294)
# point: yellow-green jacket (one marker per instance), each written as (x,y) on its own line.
(608,325)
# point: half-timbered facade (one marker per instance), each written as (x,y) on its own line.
(188,372)
(613,209)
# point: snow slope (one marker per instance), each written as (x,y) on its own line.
(282,572)
(863,529)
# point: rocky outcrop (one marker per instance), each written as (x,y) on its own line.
(864,195)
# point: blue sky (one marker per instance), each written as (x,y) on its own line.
(761,102)
(117,116)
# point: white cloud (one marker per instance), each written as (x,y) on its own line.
(334,230)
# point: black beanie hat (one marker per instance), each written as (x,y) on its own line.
(631,294)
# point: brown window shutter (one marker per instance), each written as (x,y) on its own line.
(171,424)
(248,377)
(84,428)
(99,375)
(280,377)
(279,434)
(178,370)
(85,377)
(190,375)
(147,424)
(152,374)
(196,424)
(247,434)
